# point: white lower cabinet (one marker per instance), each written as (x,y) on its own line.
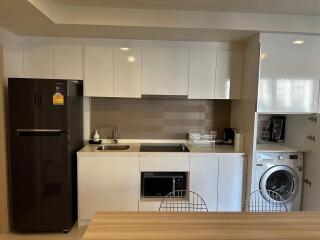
(112,183)
(204,179)
(107,183)
(230,183)
(164,164)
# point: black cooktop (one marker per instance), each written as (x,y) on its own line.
(163,147)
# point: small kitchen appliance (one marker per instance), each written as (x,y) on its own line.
(229,136)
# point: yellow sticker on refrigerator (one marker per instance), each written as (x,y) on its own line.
(58,99)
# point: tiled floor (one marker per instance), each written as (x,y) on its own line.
(74,234)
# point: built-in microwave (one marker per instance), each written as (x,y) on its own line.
(159,184)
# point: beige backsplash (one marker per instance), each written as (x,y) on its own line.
(158,118)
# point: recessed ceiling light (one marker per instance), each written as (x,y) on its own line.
(125,49)
(298,42)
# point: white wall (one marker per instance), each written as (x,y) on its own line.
(12,54)
(10,64)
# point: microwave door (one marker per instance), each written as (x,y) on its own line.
(157,186)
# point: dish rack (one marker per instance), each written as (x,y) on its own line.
(202,138)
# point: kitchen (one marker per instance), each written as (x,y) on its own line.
(148,98)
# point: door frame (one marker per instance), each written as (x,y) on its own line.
(4,213)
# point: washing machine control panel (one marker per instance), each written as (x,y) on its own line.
(294,156)
(279,158)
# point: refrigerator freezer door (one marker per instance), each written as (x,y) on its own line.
(53,112)
(24,103)
(38,104)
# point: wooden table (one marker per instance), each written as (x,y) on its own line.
(204,226)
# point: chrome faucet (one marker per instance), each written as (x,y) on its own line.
(115,135)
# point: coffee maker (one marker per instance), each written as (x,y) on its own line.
(229,136)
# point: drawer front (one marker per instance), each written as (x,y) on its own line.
(164,164)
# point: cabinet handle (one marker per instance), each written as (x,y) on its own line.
(307,181)
(313,118)
(311,138)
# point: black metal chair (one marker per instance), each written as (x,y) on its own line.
(268,201)
(183,201)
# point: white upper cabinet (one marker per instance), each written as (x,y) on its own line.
(127,72)
(229,75)
(230,183)
(98,71)
(165,71)
(289,78)
(204,178)
(38,61)
(68,62)
(202,74)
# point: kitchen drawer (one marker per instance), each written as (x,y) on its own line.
(164,164)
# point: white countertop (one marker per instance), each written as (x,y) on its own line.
(134,149)
(276,147)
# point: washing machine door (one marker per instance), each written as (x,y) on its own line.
(280,179)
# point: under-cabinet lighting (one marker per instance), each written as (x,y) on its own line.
(298,42)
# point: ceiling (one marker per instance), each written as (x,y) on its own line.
(300,7)
(196,20)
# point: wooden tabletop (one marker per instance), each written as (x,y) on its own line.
(204,226)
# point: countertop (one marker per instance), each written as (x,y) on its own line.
(134,149)
(277,147)
(204,226)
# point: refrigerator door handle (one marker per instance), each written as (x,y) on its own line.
(39,132)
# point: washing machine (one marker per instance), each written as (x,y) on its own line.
(281,172)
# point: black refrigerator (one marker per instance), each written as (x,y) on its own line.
(46,131)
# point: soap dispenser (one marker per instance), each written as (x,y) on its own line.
(96,137)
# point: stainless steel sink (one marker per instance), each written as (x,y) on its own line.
(112,147)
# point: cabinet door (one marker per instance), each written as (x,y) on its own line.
(165,71)
(107,184)
(204,179)
(127,72)
(229,75)
(202,74)
(230,183)
(311,165)
(289,78)
(38,61)
(98,71)
(68,62)
(164,163)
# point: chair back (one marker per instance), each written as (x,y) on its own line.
(268,201)
(183,201)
